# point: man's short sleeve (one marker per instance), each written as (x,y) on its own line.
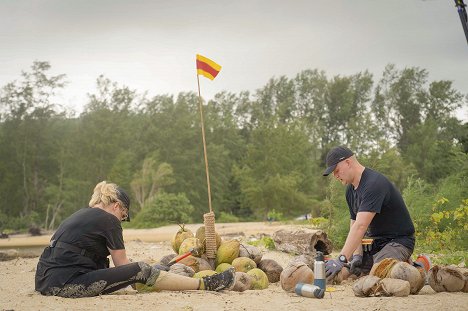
(372,197)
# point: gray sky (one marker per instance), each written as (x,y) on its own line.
(151,45)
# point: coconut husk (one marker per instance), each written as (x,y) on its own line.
(446,279)
(404,271)
(393,287)
(181,269)
(464,271)
(271,268)
(295,272)
(365,286)
(250,251)
(382,268)
(243,282)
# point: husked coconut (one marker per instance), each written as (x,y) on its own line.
(243,282)
(227,251)
(250,251)
(181,269)
(393,287)
(365,286)
(271,268)
(295,272)
(446,279)
(182,234)
(259,279)
(404,271)
(243,264)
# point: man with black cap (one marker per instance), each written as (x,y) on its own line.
(377,211)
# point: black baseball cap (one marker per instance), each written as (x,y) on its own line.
(335,156)
(125,199)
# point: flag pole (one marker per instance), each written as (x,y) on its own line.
(204,144)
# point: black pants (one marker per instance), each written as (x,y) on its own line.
(103,281)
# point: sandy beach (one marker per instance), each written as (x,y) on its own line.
(17,283)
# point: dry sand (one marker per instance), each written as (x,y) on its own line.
(17,284)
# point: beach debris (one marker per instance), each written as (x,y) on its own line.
(302,241)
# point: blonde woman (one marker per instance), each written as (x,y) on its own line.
(75,264)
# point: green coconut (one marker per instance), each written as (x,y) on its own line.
(227,252)
(179,237)
(200,234)
(222,267)
(243,264)
(191,243)
(203,273)
(259,279)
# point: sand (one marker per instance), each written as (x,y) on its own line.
(17,283)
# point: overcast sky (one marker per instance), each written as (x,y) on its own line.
(151,45)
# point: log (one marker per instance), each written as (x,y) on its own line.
(302,241)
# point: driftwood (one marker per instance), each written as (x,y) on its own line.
(302,241)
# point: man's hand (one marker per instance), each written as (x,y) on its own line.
(161,267)
(355,264)
(332,267)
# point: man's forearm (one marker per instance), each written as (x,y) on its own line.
(353,241)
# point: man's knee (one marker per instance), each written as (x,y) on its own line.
(393,250)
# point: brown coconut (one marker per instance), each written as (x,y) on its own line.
(295,272)
(446,279)
(404,271)
(192,262)
(464,271)
(243,264)
(182,269)
(166,259)
(271,268)
(382,268)
(182,234)
(243,282)
(308,259)
(250,251)
(365,286)
(204,264)
(227,251)
(393,287)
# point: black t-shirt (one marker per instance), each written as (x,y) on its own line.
(92,229)
(392,221)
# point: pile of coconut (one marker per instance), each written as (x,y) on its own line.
(252,272)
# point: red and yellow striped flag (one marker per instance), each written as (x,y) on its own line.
(207,67)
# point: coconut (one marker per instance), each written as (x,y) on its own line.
(227,251)
(446,279)
(200,234)
(464,271)
(204,264)
(295,272)
(365,286)
(181,269)
(259,279)
(271,268)
(250,251)
(179,237)
(222,267)
(166,259)
(243,264)
(382,268)
(393,287)
(192,262)
(308,259)
(243,282)
(201,274)
(404,271)
(191,243)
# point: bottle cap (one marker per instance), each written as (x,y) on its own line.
(319,256)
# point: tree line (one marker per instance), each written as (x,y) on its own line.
(266,148)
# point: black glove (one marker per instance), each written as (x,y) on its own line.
(332,267)
(355,264)
(161,267)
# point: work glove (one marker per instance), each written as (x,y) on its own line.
(355,264)
(332,267)
(161,267)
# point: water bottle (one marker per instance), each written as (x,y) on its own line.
(320,278)
(309,290)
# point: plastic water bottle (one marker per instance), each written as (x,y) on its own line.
(309,290)
(320,278)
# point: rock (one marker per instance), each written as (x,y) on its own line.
(271,268)
(303,241)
